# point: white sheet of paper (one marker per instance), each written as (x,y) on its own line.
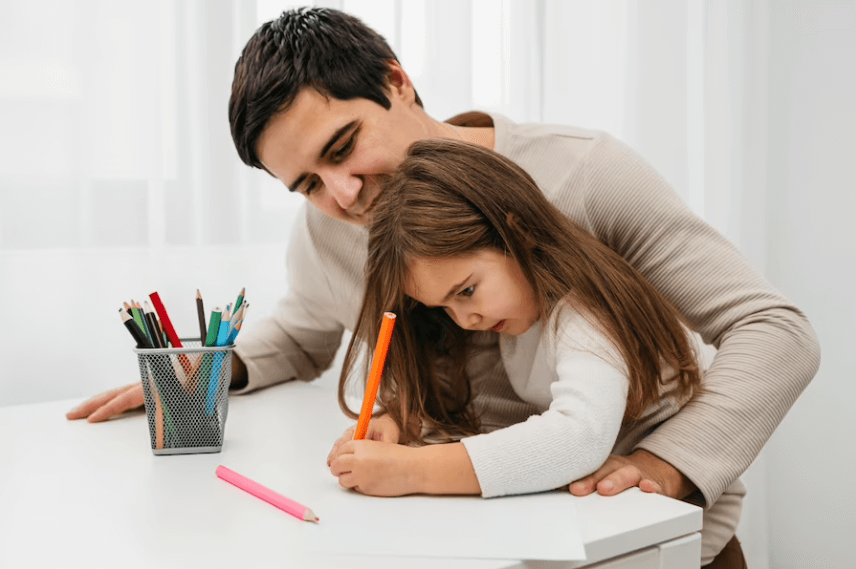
(534,526)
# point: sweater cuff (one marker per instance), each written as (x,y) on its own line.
(256,378)
(487,464)
(710,483)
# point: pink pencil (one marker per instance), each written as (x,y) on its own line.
(299,511)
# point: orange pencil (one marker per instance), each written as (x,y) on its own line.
(374,376)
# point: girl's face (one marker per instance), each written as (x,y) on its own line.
(482,291)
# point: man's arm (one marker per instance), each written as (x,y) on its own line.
(767,350)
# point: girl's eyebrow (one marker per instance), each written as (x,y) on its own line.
(455,288)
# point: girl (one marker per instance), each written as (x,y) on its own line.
(462,241)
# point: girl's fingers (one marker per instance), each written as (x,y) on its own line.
(342,465)
(346,436)
(347,480)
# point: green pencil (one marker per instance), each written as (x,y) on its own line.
(240,300)
(138,318)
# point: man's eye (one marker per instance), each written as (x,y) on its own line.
(310,187)
(468,291)
(344,150)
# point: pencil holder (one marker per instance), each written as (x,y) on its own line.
(187,396)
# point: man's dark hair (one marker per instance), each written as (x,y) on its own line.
(330,51)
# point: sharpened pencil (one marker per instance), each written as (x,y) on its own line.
(240,299)
(200,313)
(134,329)
(154,333)
(378,362)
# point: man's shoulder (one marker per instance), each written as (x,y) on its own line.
(519,138)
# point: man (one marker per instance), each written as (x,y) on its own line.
(320,102)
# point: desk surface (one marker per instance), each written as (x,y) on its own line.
(93,495)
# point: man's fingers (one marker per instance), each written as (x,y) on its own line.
(583,486)
(587,485)
(619,481)
(128,399)
(650,486)
(87,407)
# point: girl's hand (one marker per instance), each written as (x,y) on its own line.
(376,469)
(381,429)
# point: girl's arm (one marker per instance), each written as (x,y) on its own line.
(572,438)
(586,378)
(385,469)
(447,469)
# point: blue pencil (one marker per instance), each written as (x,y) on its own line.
(214,382)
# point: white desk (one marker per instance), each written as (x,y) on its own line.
(73,494)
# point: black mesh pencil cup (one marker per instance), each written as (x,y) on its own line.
(187,396)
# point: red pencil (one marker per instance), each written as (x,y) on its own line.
(165,321)
(170,332)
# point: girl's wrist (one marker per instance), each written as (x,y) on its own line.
(445,469)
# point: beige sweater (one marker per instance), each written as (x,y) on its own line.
(767,350)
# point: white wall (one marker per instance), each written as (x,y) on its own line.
(71,344)
(811,459)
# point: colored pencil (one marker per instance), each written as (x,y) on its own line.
(217,364)
(154,333)
(134,329)
(138,318)
(233,335)
(170,332)
(378,362)
(213,327)
(288,506)
(240,300)
(149,332)
(162,340)
(200,312)
(165,321)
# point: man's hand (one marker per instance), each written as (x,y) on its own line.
(381,429)
(109,404)
(642,469)
(375,468)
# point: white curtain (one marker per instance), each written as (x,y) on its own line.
(119,176)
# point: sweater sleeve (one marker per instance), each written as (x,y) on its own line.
(767,350)
(300,339)
(574,436)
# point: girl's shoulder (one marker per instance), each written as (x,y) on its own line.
(572,331)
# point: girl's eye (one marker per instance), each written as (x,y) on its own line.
(468,291)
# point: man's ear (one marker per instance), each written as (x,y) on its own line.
(399,84)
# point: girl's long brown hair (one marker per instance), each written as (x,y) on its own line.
(451,199)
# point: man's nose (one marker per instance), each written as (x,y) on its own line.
(344,188)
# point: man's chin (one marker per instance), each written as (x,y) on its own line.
(361,220)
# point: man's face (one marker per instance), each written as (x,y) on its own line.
(338,153)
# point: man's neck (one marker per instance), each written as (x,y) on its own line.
(475,127)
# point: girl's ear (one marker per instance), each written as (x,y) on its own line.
(524,236)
